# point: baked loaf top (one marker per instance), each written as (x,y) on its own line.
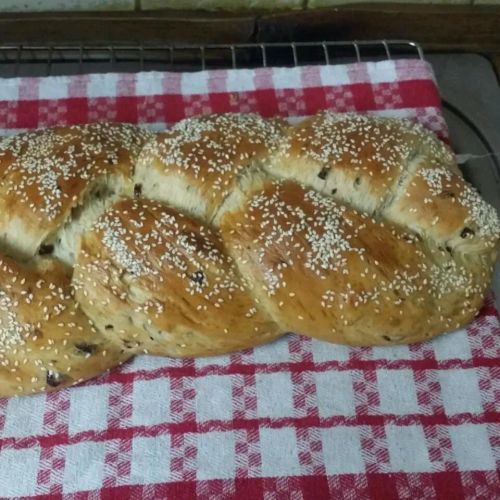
(225,232)
(53,177)
(46,341)
(165,283)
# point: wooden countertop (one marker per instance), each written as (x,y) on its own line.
(435,27)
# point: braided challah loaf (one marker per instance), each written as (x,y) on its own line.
(225,232)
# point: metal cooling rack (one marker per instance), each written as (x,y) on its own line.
(46,60)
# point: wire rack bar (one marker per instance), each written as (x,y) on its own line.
(43,60)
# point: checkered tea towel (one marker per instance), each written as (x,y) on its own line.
(296,419)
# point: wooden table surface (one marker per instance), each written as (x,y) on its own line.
(457,28)
(446,27)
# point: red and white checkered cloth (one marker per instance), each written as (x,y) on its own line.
(297,419)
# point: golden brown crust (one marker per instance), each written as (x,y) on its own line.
(439,204)
(195,165)
(328,271)
(352,229)
(159,281)
(45,174)
(357,159)
(46,342)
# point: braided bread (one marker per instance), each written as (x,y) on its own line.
(224,233)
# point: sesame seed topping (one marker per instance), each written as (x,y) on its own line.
(170,269)
(483,215)
(42,165)
(12,332)
(213,149)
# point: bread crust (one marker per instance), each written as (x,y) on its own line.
(45,175)
(161,282)
(196,165)
(46,341)
(328,271)
(352,229)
